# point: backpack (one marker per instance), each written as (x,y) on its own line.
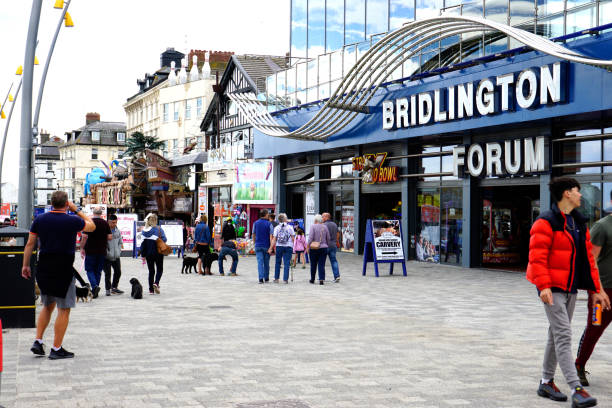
(283,236)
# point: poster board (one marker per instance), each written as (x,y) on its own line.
(254,183)
(347,228)
(125,223)
(310,212)
(202,200)
(383,244)
(174,232)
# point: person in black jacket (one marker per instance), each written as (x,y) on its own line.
(229,232)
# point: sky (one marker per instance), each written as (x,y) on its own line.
(113,43)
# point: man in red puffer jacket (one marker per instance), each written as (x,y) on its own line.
(560,263)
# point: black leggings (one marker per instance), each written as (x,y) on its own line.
(156,260)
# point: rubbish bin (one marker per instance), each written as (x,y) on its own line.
(17,304)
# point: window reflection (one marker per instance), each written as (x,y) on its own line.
(377,15)
(581,19)
(550,27)
(400,12)
(607,199)
(298,28)
(548,7)
(334,25)
(316,28)
(428,8)
(355,21)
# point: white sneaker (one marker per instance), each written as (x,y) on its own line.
(337,279)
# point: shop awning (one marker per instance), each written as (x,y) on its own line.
(189,159)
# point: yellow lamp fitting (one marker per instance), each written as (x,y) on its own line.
(68,20)
(11,98)
(2,115)
(59,4)
(19,70)
(36,60)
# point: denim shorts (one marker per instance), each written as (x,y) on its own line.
(67,302)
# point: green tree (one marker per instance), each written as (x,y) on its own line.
(137,143)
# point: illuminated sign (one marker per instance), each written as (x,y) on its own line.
(372,170)
(529,89)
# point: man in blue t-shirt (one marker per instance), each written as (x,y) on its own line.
(55,273)
(262,232)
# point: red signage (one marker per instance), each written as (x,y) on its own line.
(5,209)
(372,171)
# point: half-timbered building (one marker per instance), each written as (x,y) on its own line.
(232,182)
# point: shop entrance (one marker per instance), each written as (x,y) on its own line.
(385,206)
(507,216)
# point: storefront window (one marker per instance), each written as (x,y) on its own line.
(581,19)
(590,204)
(607,199)
(451,225)
(428,228)
(342,209)
(607,150)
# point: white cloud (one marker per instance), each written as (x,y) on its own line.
(114,42)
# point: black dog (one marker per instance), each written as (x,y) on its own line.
(84,294)
(136,288)
(189,263)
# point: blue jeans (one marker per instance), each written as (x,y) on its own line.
(93,266)
(231,252)
(283,253)
(331,252)
(263,262)
(317,258)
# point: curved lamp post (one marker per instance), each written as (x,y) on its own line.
(25,197)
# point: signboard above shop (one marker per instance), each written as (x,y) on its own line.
(372,169)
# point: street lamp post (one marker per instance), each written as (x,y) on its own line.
(6,128)
(44,73)
(25,209)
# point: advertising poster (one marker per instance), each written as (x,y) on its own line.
(310,212)
(88,209)
(387,240)
(348,228)
(5,210)
(202,200)
(254,183)
(125,223)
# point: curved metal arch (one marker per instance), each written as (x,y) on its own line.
(379,62)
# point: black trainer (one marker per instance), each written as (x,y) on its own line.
(60,354)
(116,291)
(550,390)
(582,375)
(582,399)
(95,291)
(37,348)
(261,281)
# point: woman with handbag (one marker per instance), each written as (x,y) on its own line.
(149,250)
(318,240)
(203,243)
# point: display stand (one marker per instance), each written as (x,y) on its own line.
(369,253)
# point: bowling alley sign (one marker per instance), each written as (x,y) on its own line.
(373,170)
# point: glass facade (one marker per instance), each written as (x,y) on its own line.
(328,36)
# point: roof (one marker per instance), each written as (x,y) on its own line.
(189,159)
(255,68)
(107,131)
(47,150)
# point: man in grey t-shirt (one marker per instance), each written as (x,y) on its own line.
(333,247)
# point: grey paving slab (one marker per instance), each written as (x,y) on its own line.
(441,337)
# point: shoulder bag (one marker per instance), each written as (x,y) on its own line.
(315,244)
(162,247)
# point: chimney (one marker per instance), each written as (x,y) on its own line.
(171,55)
(44,137)
(92,117)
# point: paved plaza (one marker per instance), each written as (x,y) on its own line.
(440,337)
